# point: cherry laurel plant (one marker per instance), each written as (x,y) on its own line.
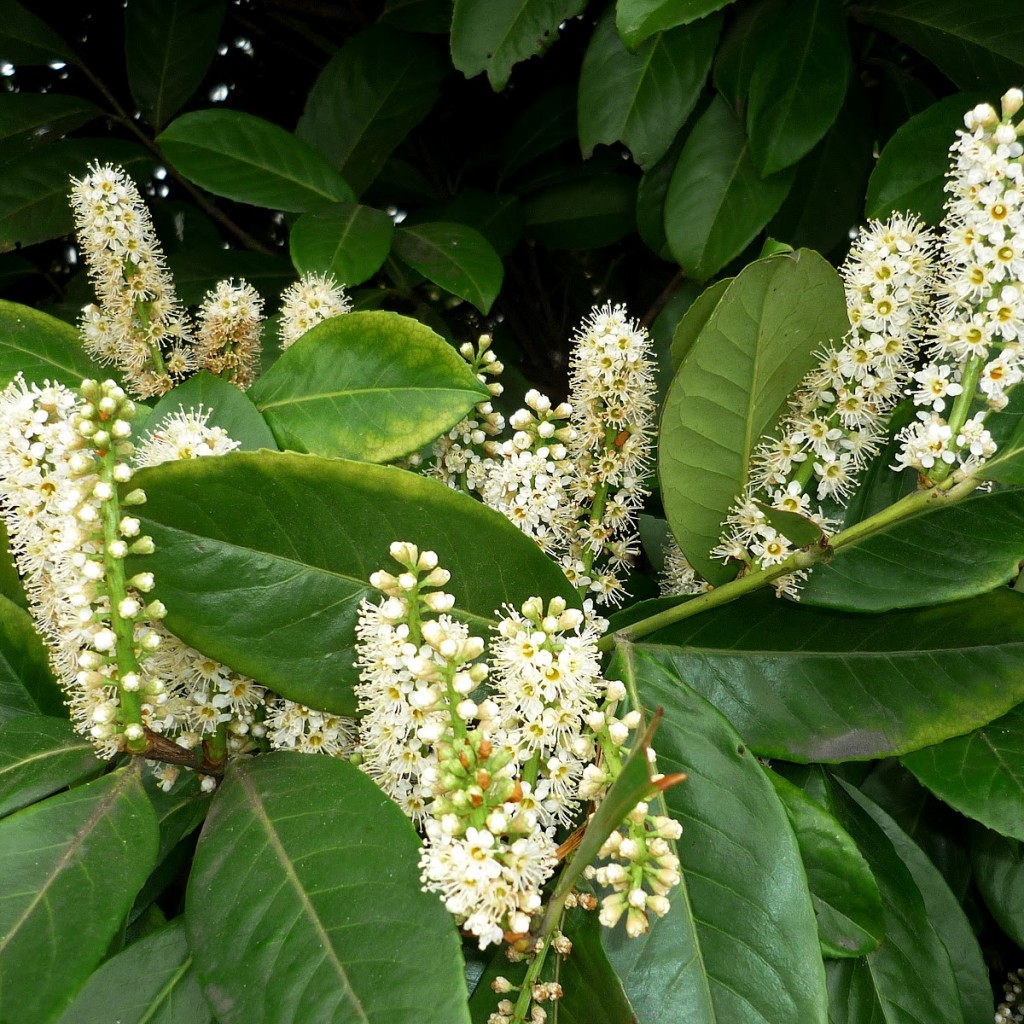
(356,554)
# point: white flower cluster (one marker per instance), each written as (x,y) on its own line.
(572,476)
(62,462)
(489,757)
(185,434)
(1011,1009)
(458,455)
(139,324)
(230,324)
(642,871)
(837,418)
(977,350)
(678,577)
(313,298)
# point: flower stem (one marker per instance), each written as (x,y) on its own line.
(948,492)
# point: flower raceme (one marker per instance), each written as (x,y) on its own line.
(491,747)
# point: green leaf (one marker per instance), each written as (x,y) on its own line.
(981,774)
(34,201)
(999,872)
(41,348)
(169,45)
(499,218)
(72,866)
(454,256)
(638,20)
(909,979)
(304,903)
(228,407)
(196,271)
(27,686)
(945,915)
(740,942)
(31,119)
(695,319)
(946,554)
(588,213)
(543,126)
(432,16)
(740,49)
(975,45)
(733,382)
(347,240)
(371,94)
(38,757)
(369,385)
(151,982)
(593,993)
(847,904)
(800,531)
(26,39)
(263,558)
(809,685)
(496,36)
(642,99)
(241,156)
(910,173)
(826,198)
(717,202)
(798,83)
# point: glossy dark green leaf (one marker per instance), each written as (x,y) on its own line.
(826,201)
(151,982)
(27,686)
(650,201)
(72,866)
(717,202)
(433,16)
(228,408)
(196,271)
(945,915)
(593,993)
(26,39)
(31,119)
(378,86)
(733,382)
(911,171)
(999,873)
(263,558)
(588,213)
(454,256)
(34,201)
(974,44)
(798,83)
(637,20)
(347,240)
(38,757)
(244,157)
(847,904)
(954,552)
(496,36)
(981,774)
(304,903)
(740,942)
(909,979)
(642,99)
(800,531)
(499,218)
(169,45)
(542,126)
(740,49)
(41,348)
(810,685)
(369,385)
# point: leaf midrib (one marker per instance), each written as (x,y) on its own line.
(274,842)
